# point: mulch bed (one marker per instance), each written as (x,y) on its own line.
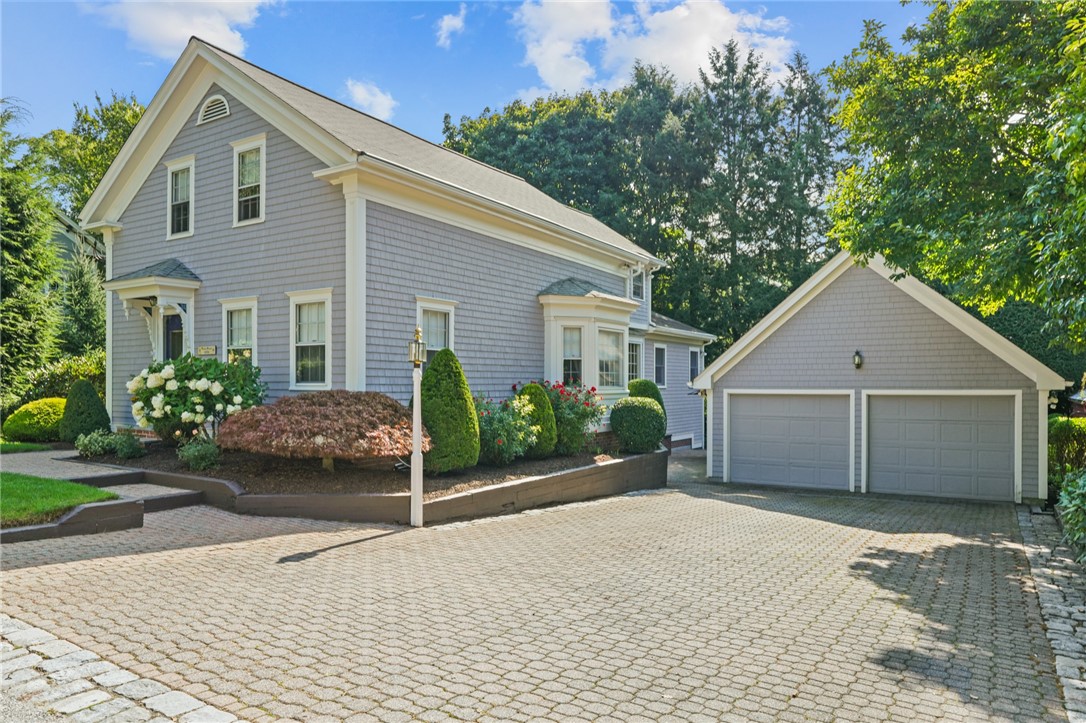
(265,474)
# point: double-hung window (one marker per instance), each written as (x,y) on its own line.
(609,350)
(635,350)
(637,285)
(249,177)
(572,355)
(180,181)
(695,363)
(659,357)
(239,329)
(311,331)
(435,318)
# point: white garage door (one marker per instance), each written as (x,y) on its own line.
(940,446)
(794,440)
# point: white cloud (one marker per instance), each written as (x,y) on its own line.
(368,98)
(449,25)
(163,27)
(558,37)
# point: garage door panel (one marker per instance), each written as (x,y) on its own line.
(799,440)
(945,446)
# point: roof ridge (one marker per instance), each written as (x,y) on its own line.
(355,110)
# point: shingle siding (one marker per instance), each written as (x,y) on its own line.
(300,245)
(498,322)
(685,408)
(904,345)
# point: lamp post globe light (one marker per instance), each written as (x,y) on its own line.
(417,354)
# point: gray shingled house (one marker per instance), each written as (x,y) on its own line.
(863,383)
(247,215)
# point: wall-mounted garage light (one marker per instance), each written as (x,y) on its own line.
(857,359)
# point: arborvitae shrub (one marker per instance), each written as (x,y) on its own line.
(84,412)
(448,412)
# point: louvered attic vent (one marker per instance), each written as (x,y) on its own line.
(214,108)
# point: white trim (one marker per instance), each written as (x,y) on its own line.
(1025,364)
(260,141)
(107,240)
(1042,444)
(725,442)
(173,167)
(725,446)
(200,119)
(308,297)
(655,381)
(623,349)
(443,306)
(709,433)
(355,289)
(235,304)
(1015,393)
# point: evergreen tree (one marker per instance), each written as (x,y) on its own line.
(30,269)
(83,316)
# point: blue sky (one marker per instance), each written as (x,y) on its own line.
(408,62)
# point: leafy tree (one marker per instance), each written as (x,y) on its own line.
(970,153)
(83,308)
(30,269)
(78,159)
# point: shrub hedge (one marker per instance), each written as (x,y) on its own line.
(37,421)
(541,416)
(1073,512)
(84,412)
(448,413)
(1066,445)
(647,388)
(639,424)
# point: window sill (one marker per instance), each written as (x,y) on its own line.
(176,236)
(309,387)
(250,222)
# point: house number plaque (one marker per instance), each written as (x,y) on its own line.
(206,350)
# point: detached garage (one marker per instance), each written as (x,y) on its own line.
(860,383)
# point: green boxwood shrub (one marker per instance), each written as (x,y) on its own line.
(37,421)
(199,454)
(127,446)
(95,444)
(448,412)
(647,388)
(84,412)
(541,416)
(639,424)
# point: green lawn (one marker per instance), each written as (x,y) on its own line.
(26,500)
(13,447)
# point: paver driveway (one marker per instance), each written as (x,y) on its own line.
(693,603)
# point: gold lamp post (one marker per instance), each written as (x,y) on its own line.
(417,352)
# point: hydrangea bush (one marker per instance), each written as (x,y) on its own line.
(189,397)
(506,431)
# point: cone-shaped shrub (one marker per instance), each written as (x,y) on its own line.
(647,388)
(84,412)
(639,424)
(542,416)
(37,421)
(448,413)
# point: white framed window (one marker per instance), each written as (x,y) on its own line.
(611,359)
(659,358)
(214,108)
(436,318)
(637,285)
(239,327)
(180,189)
(635,356)
(695,363)
(310,339)
(249,180)
(572,355)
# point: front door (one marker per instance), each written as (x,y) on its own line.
(173,341)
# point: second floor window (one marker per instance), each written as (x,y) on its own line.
(180,201)
(249,184)
(637,285)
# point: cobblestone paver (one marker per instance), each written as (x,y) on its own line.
(1061,587)
(697,603)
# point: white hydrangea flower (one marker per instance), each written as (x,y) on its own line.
(218,407)
(199,407)
(167,409)
(167,371)
(142,423)
(135,385)
(157,401)
(171,385)
(143,374)
(191,384)
(230,409)
(199,418)
(237,399)
(138,405)
(203,385)
(158,414)
(216,388)
(154,380)
(187,416)
(137,412)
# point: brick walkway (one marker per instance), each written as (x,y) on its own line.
(689,604)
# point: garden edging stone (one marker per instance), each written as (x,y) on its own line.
(88,519)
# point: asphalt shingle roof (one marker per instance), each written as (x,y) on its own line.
(572,287)
(666,322)
(367,135)
(170,269)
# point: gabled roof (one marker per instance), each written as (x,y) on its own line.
(950,312)
(345,135)
(168,269)
(571,287)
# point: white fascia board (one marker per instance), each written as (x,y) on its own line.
(784,311)
(376,166)
(691,337)
(176,100)
(972,327)
(153,285)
